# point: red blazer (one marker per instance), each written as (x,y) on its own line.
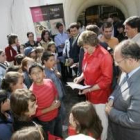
(98,69)
(10,53)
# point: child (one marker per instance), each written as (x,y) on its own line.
(84,119)
(3,65)
(39,52)
(21,48)
(12,81)
(14,68)
(30,52)
(47,101)
(52,49)
(5,117)
(25,64)
(49,61)
(29,133)
(23,106)
(19,58)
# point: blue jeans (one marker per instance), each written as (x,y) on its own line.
(54,126)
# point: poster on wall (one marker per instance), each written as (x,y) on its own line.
(46,17)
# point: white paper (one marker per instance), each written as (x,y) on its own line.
(77,86)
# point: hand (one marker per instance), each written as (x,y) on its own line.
(56,104)
(86,91)
(110,102)
(74,65)
(108,109)
(62,45)
(77,80)
(57,73)
(70,62)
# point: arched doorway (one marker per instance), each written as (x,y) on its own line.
(73,8)
(96,13)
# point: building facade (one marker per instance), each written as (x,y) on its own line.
(16,16)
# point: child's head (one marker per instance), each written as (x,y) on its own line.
(30,52)
(12,81)
(19,58)
(4,104)
(2,56)
(28,133)
(48,59)
(23,104)
(85,119)
(14,68)
(21,48)
(39,51)
(36,73)
(51,47)
(26,63)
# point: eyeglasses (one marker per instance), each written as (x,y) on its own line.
(118,62)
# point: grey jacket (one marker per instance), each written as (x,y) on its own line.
(125,115)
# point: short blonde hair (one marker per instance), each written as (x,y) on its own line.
(89,38)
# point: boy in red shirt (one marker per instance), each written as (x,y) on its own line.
(46,95)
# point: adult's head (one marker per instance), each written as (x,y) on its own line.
(68,32)
(120,27)
(127,55)
(88,40)
(79,22)
(30,36)
(115,17)
(59,27)
(85,119)
(93,28)
(13,39)
(45,35)
(74,29)
(110,19)
(132,26)
(107,29)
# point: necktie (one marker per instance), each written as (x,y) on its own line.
(124,79)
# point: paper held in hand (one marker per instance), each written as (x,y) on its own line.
(77,86)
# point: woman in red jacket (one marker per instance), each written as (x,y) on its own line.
(13,49)
(97,72)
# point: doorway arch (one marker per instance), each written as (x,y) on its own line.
(73,8)
(97,13)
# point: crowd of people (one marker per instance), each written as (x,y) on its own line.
(33,77)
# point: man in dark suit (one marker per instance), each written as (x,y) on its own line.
(74,48)
(123,107)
